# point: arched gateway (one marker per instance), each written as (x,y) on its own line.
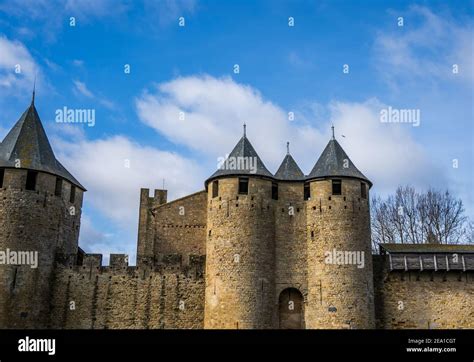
(291,309)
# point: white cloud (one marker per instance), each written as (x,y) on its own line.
(385,152)
(95,8)
(93,240)
(426,47)
(17,67)
(55,14)
(114,189)
(297,60)
(48,10)
(81,88)
(52,15)
(167,11)
(78,63)
(215,109)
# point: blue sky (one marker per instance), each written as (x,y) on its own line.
(283,69)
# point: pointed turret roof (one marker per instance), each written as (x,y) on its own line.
(243,160)
(334,162)
(289,169)
(27,142)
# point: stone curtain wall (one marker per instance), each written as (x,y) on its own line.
(123,297)
(427,299)
(180,227)
(175,228)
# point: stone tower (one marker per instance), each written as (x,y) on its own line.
(240,252)
(290,244)
(40,210)
(340,275)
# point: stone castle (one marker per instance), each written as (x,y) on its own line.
(251,250)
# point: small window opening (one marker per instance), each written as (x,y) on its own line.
(336,187)
(243,185)
(72,197)
(307,191)
(274,191)
(31,178)
(215,188)
(363,190)
(59,187)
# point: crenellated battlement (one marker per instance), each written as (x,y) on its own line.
(92,264)
(124,296)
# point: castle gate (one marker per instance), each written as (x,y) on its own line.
(291,309)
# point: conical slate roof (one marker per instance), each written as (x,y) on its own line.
(335,162)
(27,142)
(243,160)
(289,169)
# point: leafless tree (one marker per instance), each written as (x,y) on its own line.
(416,218)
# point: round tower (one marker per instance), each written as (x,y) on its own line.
(240,236)
(40,209)
(340,275)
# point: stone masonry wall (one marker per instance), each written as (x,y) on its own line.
(96,297)
(33,221)
(290,240)
(240,258)
(339,295)
(174,228)
(424,299)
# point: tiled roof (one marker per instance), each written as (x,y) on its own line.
(428,248)
(243,160)
(334,162)
(27,142)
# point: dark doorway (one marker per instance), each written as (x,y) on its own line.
(291,309)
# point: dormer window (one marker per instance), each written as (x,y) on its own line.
(336,187)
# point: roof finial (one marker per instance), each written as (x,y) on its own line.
(245,130)
(34,91)
(287,148)
(332,127)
